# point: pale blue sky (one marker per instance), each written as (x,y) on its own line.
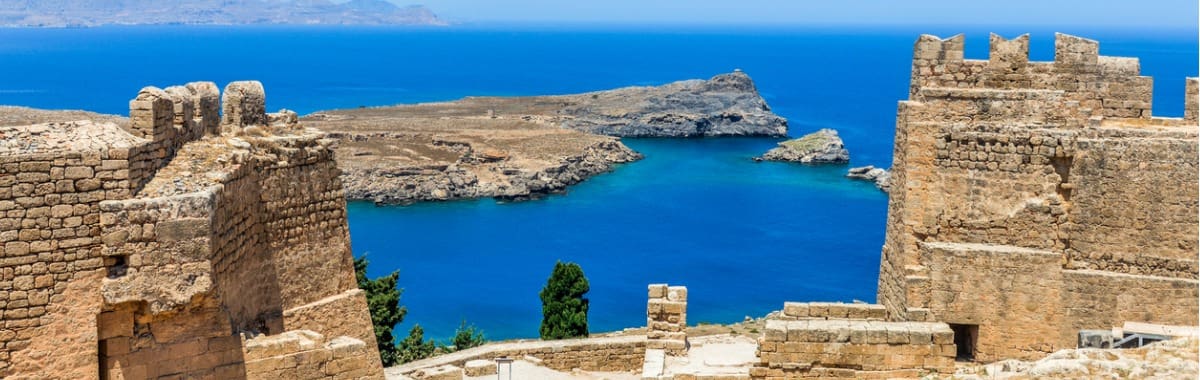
(1126,13)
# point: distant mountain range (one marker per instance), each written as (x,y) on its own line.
(82,13)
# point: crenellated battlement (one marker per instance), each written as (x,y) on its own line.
(1108,87)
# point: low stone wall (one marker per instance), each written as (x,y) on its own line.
(832,310)
(304,354)
(853,349)
(609,354)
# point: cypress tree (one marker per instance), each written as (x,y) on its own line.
(383,299)
(564,309)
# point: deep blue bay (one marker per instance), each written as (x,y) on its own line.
(744,237)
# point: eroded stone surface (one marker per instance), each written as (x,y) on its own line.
(148,247)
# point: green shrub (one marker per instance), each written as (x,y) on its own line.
(467,336)
(415,347)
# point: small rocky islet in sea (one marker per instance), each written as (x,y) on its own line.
(881,177)
(820,147)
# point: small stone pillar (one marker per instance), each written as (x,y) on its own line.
(207,106)
(666,319)
(184,121)
(244,104)
(151,114)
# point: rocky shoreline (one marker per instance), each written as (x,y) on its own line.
(462,180)
(518,148)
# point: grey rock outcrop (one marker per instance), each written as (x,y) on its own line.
(726,105)
(881,177)
(823,146)
(464,180)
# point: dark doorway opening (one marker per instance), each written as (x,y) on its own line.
(965,337)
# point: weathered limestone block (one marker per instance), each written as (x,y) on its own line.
(206,104)
(244,104)
(479,367)
(152,114)
(1008,56)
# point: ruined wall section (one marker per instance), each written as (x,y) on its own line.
(1053,174)
(162,316)
(168,120)
(53,178)
(144,252)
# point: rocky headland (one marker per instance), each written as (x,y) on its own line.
(444,151)
(725,105)
(515,148)
(881,177)
(823,146)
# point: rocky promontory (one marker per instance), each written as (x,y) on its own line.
(444,151)
(823,146)
(726,105)
(881,177)
(525,147)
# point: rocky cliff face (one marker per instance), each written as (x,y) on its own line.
(726,105)
(483,174)
(823,146)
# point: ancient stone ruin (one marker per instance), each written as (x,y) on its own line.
(1032,200)
(180,246)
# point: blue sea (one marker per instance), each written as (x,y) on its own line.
(744,237)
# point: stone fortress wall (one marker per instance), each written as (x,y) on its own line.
(175,246)
(1032,200)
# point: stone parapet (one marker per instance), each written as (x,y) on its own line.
(608,354)
(853,349)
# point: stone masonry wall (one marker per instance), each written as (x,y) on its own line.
(666,318)
(1035,199)
(53,178)
(172,241)
(853,349)
(306,355)
(608,354)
